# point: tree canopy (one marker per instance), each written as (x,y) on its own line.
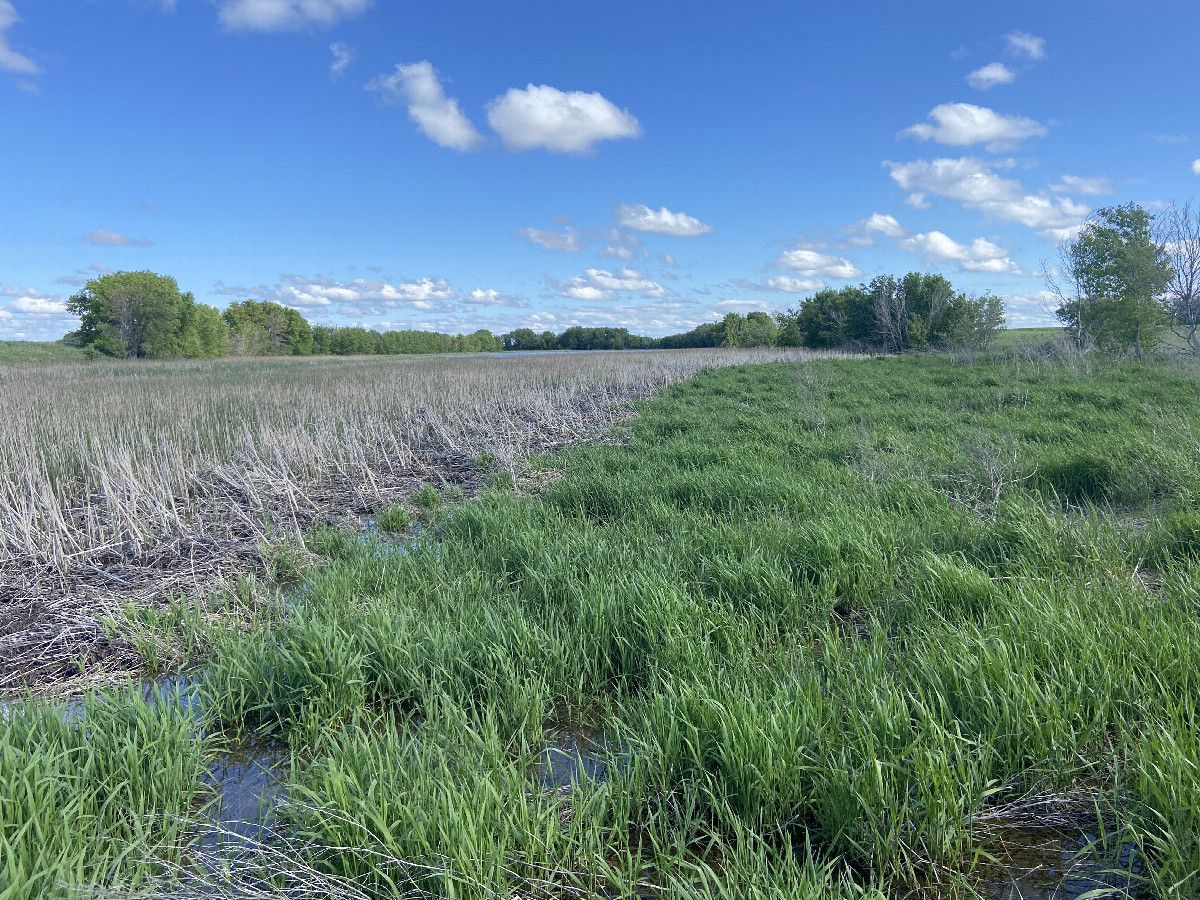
(1117,274)
(144,315)
(264,328)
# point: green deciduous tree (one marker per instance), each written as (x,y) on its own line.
(1116,274)
(144,315)
(264,328)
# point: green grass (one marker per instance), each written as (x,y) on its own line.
(817,619)
(23,352)
(1015,337)
(96,796)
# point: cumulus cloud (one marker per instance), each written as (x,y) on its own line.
(359,296)
(1078,184)
(963,124)
(1024,44)
(972,183)
(31,314)
(812,264)
(559,121)
(978,256)
(661,221)
(38,306)
(862,233)
(437,116)
(667,260)
(103,238)
(342,57)
(598,284)
(490,297)
(10,59)
(991,75)
(286,15)
(567,239)
(790,285)
(1196,167)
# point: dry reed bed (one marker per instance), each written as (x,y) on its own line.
(136,481)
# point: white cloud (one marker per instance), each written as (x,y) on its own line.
(342,57)
(437,116)
(1078,184)
(1024,44)
(963,124)
(286,15)
(559,121)
(38,306)
(1196,167)
(1030,310)
(598,284)
(667,260)
(490,297)
(661,221)
(567,240)
(978,256)
(103,238)
(33,315)
(862,233)
(359,296)
(619,244)
(1169,139)
(9,58)
(973,184)
(817,265)
(790,285)
(991,75)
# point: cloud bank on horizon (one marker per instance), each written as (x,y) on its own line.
(425,168)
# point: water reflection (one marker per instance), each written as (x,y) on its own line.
(1051,864)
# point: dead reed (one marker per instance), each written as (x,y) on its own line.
(127,481)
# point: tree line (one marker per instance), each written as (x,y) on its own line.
(144,315)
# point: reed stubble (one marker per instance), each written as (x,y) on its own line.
(143,482)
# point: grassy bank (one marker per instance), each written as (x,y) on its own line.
(823,630)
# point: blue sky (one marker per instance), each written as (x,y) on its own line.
(652,165)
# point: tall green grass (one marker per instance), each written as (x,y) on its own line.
(92,795)
(824,629)
(833,624)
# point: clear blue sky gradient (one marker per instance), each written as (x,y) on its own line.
(236,160)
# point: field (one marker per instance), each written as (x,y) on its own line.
(140,481)
(836,628)
(38,352)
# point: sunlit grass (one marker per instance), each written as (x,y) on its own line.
(822,634)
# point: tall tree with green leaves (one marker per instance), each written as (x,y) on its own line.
(265,328)
(143,315)
(1117,275)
